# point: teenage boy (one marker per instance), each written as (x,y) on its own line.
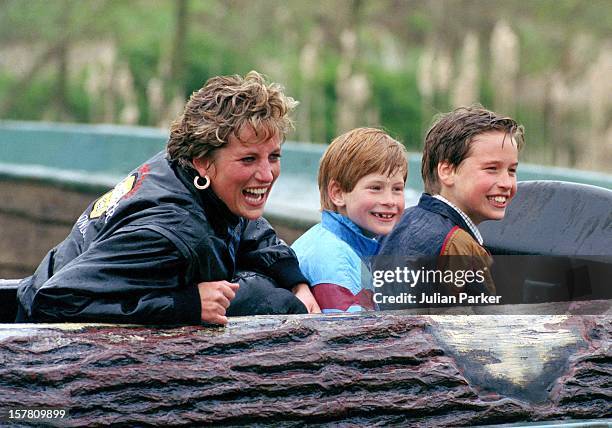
(469,168)
(361,183)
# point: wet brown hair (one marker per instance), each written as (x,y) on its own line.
(223,106)
(449,139)
(354,155)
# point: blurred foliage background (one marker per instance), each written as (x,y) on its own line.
(388,63)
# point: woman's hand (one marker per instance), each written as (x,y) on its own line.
(215,297)
(302,292)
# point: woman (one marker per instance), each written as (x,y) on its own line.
(162,246)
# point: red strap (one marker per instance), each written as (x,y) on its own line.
(448,236)
(332,296)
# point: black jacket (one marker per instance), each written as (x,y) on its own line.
(138,252)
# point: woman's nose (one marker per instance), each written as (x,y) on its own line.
(264,172)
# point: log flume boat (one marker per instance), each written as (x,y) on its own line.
(546,356)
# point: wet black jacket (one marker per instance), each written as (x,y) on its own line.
(138,252)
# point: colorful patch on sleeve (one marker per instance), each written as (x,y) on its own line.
(108,201)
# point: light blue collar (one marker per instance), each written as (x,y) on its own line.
(350,233)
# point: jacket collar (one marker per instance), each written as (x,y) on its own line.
(464,216)
(350,233)
(217,213)
(430,203)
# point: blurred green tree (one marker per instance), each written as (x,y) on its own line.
(387,63)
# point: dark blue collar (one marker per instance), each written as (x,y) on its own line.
(217,213)
(350,233)
(429,203)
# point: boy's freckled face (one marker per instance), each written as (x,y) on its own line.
(485,182)
(376,202)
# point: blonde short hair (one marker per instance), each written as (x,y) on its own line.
(221,108)
(354,155)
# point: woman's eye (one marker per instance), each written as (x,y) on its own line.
(248,159)
(512,171)
(275,157)
(374,188)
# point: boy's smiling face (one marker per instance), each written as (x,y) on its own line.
(484,183)
(375,204)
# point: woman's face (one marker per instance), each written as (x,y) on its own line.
(243,171)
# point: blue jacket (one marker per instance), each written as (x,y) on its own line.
(423,229)
(433,236)
(334,257)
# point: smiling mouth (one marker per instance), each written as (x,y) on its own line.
(255,195)
(498,200)
(384,216)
